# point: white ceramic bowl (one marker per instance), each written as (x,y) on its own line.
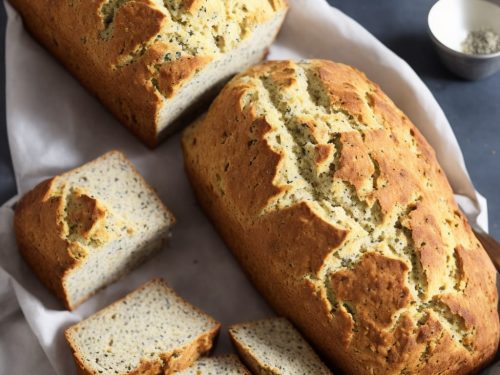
(449,23)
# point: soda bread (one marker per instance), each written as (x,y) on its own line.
(86,228)
(274,347)
(149,331)
(338,210)
(151,61)
(224,365)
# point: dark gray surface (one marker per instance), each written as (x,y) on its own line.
(7,183)
(473,108)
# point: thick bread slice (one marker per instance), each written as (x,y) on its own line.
(223,365)
(86,228)
(335,205)
(150,331)
(151,62)
(274,346)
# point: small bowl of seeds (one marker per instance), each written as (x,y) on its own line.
(466,34)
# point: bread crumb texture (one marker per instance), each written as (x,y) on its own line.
(84,229)
(150,331)
(137,54)
(222,365)
(337,207)
(274,346)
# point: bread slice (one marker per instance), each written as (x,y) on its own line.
(153,62)
(223,365)
(149,331)
(274,346)
(86,228)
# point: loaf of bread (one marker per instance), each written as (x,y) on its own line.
(274,347)
(151,62)
(335,205)
(149,331)
(86,228)
(223,365)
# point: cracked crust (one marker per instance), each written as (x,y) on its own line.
(136,55)
(37,227)
(337,208)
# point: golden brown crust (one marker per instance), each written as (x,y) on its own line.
(337,208)
(38,227)
(121,50)
(384,278)
(172,75)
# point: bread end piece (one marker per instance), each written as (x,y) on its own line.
(70,225)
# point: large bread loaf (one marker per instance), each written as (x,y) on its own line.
(337,208)
(152,62)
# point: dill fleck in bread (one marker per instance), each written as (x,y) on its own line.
(273,346)
(338,210)
(151,62)
(86,228)
(223,365)
(150,331)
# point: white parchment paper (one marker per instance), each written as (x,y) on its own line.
(55,125)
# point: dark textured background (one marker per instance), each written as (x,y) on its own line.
(473,108)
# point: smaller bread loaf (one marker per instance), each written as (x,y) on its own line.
(274,346)
(86,228)
(224,365)
(149,331)
(153,62)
